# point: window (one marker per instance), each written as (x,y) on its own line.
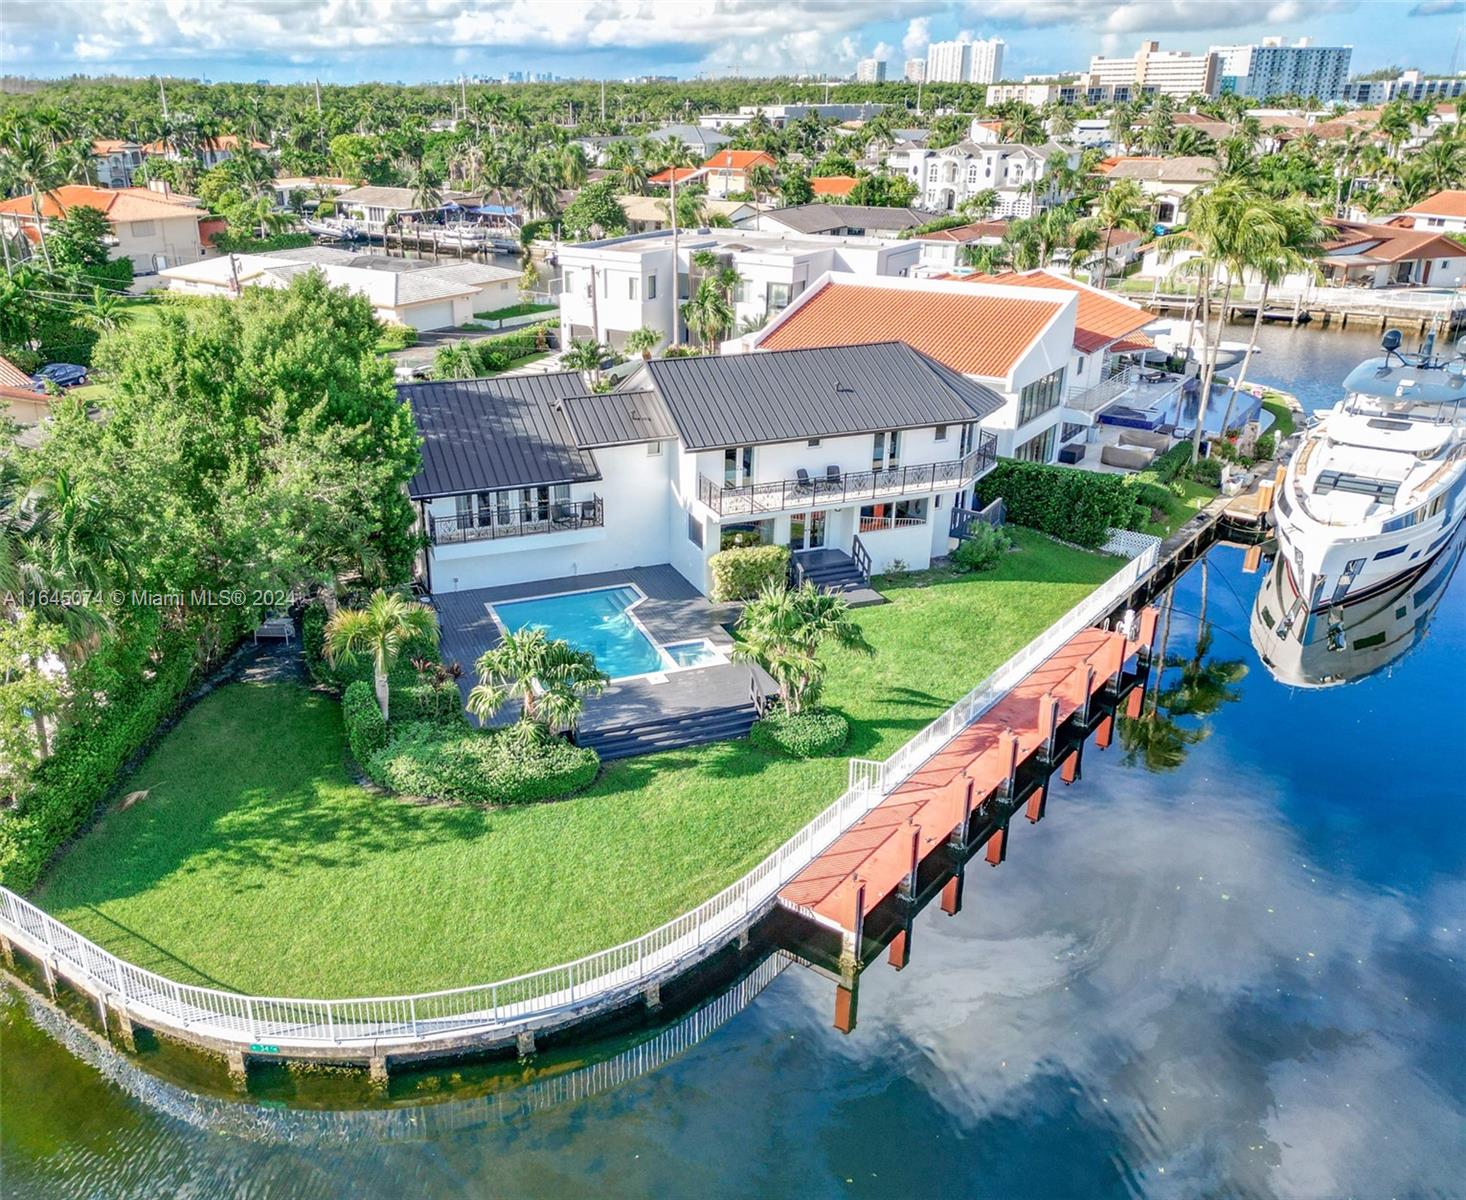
(141,228)
(1040,396)
(941,434)
(651,287)
(631,287)
(694,531)
(777,296)
(1039,449)
(743,293)
(814,441)
(885,454)
(654,449)
(737,465)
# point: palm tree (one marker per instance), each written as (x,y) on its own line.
(29,161)
(782,629)
(981,204)
(74,161)
(550,679)
(106,312)
(989,258)
(387,624)
(1190,141)
(585,354)
(1023,125)
(573,165)
(709,313)
(1123,205)
(540,189)
(761,180)
(426,187)
(643,341)
(1441,164)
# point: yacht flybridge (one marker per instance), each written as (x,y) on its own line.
(1378,484)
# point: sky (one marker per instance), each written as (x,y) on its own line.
(350,41)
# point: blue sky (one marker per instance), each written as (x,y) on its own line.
(348,41)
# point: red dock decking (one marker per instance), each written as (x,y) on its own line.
(884,848)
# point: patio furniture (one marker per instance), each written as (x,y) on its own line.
(279,628)
(1145,438)
(1128,458)
(1071,454)
(1153,377)
(802,478)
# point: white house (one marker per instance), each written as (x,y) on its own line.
(402,291)
(210,151)
(837,220)
(1444,212)
(1021,175)
(114,161)
(857,451)
(615,285)
(1043,343)
(1167,182)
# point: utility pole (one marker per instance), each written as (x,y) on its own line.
(595,315)
(603,101)
(919,84)
(163,96)
(463,92)
(318,95)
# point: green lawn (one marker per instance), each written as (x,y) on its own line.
(254,863)
(1284,421)
(1193,498)
(514,310)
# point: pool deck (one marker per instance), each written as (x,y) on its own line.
(673,611)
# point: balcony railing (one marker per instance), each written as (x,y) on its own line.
(852,487)
(876,524)
(516,520)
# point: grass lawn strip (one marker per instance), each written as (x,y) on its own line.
(255,864)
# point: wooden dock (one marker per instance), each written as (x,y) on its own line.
(938,805)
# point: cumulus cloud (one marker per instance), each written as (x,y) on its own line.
(918,36)
(1155,16)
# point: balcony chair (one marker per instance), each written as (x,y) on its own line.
(806,484)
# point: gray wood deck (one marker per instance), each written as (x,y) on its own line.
(673,611)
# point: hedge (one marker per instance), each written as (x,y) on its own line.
(741,571)
(1166,467)
(809,734)
(1078,506)
(366,732)
(519,764)
(243,243)
(85,760)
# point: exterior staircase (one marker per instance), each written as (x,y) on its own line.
(669,733)
(835,571)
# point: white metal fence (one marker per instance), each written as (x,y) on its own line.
(535,999)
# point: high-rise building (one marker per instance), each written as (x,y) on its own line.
(1409,85)
(870,70)
(1154,72)
(962,61)
(914,70)
(1276,69)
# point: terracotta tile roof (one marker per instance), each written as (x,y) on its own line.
(1196,168)
(833,185)
(225,141)
(1389,243)
(740,160)
(970,232)
(665,176)
(1448,203)
(1099,320)
(978,334)
(12,376)
(111,145)
(119,204)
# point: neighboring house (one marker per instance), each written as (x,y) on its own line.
(647,213)
(1122,247)
(285,186)
(838,220)
(210,151)
(727,170)
(1021,175)
(19,400)
(374,208)
(664,177)
(114,161)
(1444,212)
(1167,181)
(833,187)
(701,140)
(534,477)
(941,249)
(615,285)
(1043,343)
(403,291)
(154,226)
(1016,342)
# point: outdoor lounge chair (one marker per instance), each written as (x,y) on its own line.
(831,482)
(1130,458)
(1145,438)
(806,484)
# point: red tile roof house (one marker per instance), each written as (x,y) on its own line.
(1444,212)
(1045,344)
(154,226)
(833,187)
(211,151)
(727,170)
(1376,256)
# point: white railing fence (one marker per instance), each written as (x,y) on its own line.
(531,999)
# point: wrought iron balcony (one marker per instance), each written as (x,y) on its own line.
(831,491)
(516,520)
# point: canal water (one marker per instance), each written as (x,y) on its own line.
(1228,962)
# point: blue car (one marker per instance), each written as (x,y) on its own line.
(63,375)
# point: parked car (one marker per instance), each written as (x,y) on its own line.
(62,375)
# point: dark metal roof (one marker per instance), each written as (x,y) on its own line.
(618,419)
(819,218)
(483,434)
(784,395)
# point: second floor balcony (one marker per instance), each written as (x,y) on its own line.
(495,521)
(831,489)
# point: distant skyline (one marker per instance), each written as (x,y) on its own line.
(352,41)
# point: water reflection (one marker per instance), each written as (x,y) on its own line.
(1353,641)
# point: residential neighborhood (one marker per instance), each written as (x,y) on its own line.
(654,600)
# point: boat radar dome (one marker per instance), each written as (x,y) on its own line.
(1391,341)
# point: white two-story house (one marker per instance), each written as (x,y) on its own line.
(1022,176)
(856,451)
(615,285)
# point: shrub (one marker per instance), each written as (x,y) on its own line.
(810,734)
(1206,470)
(243,243)
(396,337)
(437,704)
(1166,467)
(519,764)
(1267,446)
(1151,495)
(533,230)
(85,759)
(343,674)
(741,571)
(1078,506)
(984,550)
(366,732)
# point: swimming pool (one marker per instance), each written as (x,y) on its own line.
(599,621)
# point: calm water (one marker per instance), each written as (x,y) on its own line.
(1228,962)
(598,621)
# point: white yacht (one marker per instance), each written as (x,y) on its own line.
(1378,484)
(1357,640)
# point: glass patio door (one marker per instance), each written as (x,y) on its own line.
(807,530)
